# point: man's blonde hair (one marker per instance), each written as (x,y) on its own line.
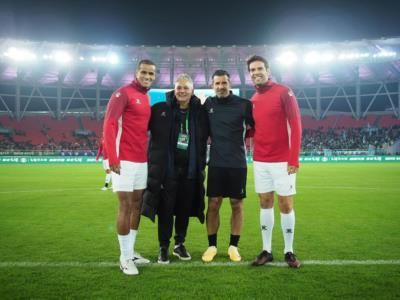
(185,77)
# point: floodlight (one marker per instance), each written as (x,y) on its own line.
(61,56)
(385,53)
(312,57)
(352,55)
(20,54)
(287,58)
(327,57)
(113,58)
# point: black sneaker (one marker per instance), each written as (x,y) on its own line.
(163,257)
(181,252)
(263,258)
(291,260)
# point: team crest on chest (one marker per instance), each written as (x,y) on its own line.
(138,101)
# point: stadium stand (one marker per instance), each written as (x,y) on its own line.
(333,132)
(92,125)
(62,107)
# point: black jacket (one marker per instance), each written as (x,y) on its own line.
(163,122)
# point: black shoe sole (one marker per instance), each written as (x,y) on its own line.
(293,267)
(257,264)
(180,257)
(163,262)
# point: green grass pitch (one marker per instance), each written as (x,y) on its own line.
(57,240)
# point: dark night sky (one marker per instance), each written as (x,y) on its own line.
(199,22)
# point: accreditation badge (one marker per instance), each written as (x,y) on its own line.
(183,141)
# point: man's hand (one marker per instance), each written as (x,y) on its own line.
(116,168)
(292,170)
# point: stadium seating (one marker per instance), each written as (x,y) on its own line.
(346,121)
(388,121)
(49,132)
(62,130)
(93,125)
(29,129)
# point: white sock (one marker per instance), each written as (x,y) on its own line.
(108,178)
(267,224)
(132,235)
(287,223)
(125,246)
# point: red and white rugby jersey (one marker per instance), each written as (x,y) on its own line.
(277,135)
(126,124)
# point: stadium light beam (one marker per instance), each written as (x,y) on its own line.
(20,54)
(110,58)
(384,54)
(287,58)
(353,55)
(312,57)
(62,57)
(113,58)
(327,57)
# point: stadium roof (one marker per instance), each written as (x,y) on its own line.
(109,66)
(353,77)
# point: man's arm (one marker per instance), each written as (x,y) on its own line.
(292,112)
(115,107)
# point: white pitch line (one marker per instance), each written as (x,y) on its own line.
(98,189)
(77,264)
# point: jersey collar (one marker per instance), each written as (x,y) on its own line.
(264,88)
(139,87)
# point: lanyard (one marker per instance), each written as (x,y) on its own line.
(186,121)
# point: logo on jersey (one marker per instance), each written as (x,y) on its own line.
(138,101)
(290,93)
(163,114)
(211,111)
(117,94)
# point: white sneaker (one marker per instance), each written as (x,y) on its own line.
(104,188)
(128,267)
(139,260)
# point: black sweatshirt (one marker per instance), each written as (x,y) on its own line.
(228,118)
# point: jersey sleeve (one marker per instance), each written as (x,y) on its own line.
(249,119)
(292,112)
(115,108)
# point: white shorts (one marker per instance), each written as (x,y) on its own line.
(133,176)
(270,177)
(106,165)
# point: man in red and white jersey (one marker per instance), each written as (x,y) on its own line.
(277,140)
(106,166)
(125,140)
